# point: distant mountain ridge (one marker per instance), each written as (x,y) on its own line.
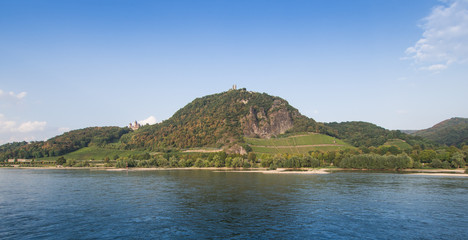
(450,132)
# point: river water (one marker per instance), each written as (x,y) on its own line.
(203,204)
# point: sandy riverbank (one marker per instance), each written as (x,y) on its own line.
(283,171)
(460,172)
(442,174)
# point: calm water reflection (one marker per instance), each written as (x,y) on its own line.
(194,204)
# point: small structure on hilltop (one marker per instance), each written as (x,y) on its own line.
(234,87)
(135,126)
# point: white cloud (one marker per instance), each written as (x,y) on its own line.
(31,126)
(8,126)
(435,67)
(21,95)
(150,120)
(445,37)
(13,95)
(11,131)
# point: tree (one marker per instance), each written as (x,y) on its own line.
(61,160)
(252,157)
(457,160)
(436,163)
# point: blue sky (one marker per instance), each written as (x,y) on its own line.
(73,64)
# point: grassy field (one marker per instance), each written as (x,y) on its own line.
(398,143)
(301,143)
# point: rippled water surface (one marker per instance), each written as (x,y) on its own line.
(200,204)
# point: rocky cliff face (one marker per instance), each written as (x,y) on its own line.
(265,124)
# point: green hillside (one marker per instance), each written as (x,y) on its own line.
(99,153)
(450,132)
(222,120)
(301,143)
(401,144)
(363,134)
(63,144)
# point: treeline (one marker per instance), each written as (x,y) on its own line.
(63,144)
(374,161)
(447,157)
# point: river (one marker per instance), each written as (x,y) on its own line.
(204,204)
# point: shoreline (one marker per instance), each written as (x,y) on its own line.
(423,172)
(441,174)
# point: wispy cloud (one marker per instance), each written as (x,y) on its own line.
(31,126)
(8,126)
(13,95)
(150,120)
(445,37)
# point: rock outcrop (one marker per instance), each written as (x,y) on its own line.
(265,124)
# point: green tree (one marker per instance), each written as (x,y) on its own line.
(61,160)
(436,163)
(457,160)
(252,157)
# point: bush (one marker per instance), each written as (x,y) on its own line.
(61,160)
(69,163)
(125,163)
(436,163)
(82,164)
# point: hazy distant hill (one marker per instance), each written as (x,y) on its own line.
(453,131)
(222,120)
(408,131)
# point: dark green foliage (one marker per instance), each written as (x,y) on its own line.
(436,163)
(374,161)
(61,161)
(449,132)
(441,157)
(252,157)
(126,163)
(363,134)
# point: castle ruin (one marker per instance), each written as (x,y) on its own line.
(135,126)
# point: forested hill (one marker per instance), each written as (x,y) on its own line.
(65,143)
(222,120)
(364,134)
(450,132)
